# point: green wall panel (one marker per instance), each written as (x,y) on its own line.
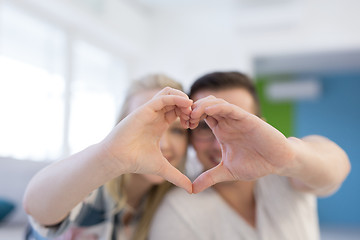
(278,114)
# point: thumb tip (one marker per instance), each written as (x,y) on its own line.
(188,189)
(196,188)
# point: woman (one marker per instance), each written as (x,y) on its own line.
(98,192)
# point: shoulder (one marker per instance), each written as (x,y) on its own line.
(278,203)
(275,186)
(277,191)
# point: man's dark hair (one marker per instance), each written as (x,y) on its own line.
(216,81)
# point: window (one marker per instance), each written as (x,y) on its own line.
(97,88)
(48,108)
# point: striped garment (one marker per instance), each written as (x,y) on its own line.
(93,219)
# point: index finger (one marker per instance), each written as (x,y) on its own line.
(226,110)
(171,91)
(162,101)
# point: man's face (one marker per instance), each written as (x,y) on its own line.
(207,148)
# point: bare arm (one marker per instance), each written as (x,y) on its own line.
(251,148)
(320,165)
(131,147)
(58,188)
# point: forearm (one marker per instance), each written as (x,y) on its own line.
(58,188)
(320,166)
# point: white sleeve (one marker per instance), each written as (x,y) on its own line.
(286,211)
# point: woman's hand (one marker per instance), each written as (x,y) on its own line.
(133,145)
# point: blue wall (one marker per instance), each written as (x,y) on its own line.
(336,115)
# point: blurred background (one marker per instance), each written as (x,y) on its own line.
(65,66)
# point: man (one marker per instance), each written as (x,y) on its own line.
(264,185)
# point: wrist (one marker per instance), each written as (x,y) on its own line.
(107,161)
(293,164)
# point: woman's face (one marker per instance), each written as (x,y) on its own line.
(173,143)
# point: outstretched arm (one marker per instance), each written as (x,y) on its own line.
(251,148)
(320,166)
(131,147)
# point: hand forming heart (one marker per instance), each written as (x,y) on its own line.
(250,147)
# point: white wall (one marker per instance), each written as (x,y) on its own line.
(192,39)
(188,38)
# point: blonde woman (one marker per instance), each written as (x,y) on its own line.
(112,189)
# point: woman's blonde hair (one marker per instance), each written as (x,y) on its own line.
(117,186)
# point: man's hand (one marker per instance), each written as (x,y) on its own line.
(250,147)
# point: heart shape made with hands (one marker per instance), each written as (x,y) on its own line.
(250,147)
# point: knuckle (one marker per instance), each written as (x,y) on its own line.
(167,89)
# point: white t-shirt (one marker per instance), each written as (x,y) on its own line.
(281,213)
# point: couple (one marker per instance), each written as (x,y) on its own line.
(263,184)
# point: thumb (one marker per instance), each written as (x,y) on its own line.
(211,177)
(173,175)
